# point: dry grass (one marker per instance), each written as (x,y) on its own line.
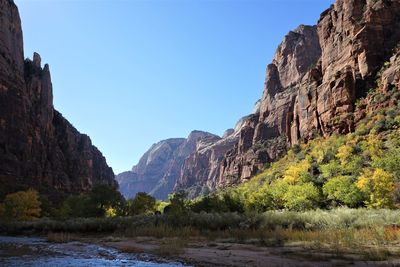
(171,247)
(162,231)
(373,243)
(372,233)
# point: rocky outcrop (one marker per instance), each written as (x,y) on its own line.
(160,167)
(314,80)
(267,133)
(38,147)
(200,171)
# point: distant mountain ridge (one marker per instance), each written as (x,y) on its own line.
(311,88)
(159,168)
(174,162)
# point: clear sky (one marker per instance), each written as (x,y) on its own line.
(131,73)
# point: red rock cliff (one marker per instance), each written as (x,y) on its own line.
(314,80)
(38,147)
(311,87)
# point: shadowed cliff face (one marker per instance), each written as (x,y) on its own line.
(38,147)
(160,167)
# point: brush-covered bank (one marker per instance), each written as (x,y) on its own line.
(338,236)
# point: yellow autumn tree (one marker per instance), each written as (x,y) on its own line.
(379,187)
(22,206)
(298,172)
(344,154)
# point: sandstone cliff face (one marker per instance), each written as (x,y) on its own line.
(159,168)
(200,170)
(314,80)
(311,88)
(38,147)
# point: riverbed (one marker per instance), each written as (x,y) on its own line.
(33,251)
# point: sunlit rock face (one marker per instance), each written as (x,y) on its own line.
(160,167)
(39,148)
(311,86)
(202,168)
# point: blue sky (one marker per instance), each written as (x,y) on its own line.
(131,73)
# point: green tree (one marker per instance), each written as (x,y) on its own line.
(22,205)
(331,169)
(233,201)
(102,198)
(212,203)
(278,189)
(390,162)
(260,200)
(301,197)
(178,204)
(75,207)
(142,203)
(342,190)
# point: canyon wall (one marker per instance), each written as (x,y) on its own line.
(39,148)
(313,82)
(159,168)
(311,87)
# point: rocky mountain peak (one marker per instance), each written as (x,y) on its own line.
(159,168)
(37,60)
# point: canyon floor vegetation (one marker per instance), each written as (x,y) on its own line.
(338,194)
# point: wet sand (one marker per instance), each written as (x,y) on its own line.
(222,253)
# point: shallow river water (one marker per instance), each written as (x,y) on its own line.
(29,251)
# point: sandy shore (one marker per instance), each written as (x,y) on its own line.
(223,253)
